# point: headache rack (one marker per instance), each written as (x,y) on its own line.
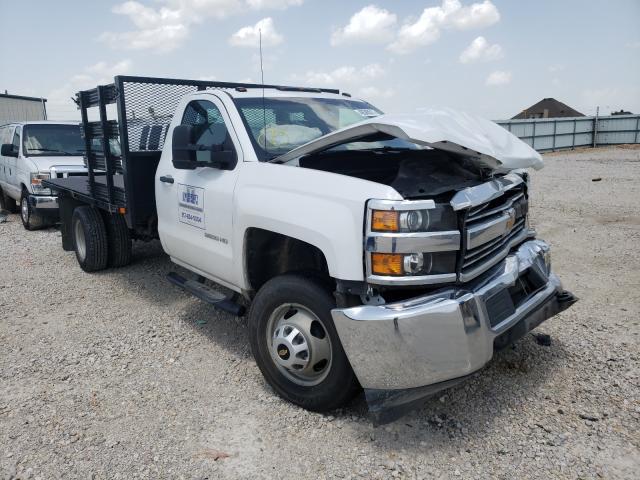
(122,154)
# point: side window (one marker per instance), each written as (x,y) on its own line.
(209,129)
(16,140)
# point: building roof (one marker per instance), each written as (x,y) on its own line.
(548,108)
(20,97)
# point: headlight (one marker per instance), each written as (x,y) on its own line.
(36,181)
(438,219)
(411,242)
(413,264)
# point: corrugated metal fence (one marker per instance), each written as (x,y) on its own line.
(558,133)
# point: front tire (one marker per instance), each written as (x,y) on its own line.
(296,345)
(89,239)
(30,219)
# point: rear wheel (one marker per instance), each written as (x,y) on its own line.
(7,203)
(296,346)
(30,219)
(89,239)
(119,240)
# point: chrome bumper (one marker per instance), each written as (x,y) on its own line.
(43,202)
(434,339)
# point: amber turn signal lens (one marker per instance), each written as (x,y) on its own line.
(384,221)
(387,264)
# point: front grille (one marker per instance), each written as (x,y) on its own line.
(503,222)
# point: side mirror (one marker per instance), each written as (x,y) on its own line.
(8,151)
(184,153)
(189,156)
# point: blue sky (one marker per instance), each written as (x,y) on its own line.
(489,57)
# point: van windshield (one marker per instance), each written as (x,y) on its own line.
(52,140)
(282,124)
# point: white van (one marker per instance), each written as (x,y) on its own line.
(32,152)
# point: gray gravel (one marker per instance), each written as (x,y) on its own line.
(121,375)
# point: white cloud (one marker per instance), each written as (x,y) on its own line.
(59,103)
(275,4)
(346,75)
(555,68)
(369,25)
(374,93)
(250,36)
(498,78)
(452,15)
(633,44)
(165,27)
(481,51)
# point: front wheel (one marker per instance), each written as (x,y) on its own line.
(30,219)
(296,346)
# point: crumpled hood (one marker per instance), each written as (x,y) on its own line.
(444,129)
(44,163)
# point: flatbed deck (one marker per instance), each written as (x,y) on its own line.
(80,187)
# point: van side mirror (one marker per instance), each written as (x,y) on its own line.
(189,156)
(8,151)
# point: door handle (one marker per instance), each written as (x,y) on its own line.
(166,179)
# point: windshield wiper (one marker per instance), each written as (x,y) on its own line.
(44,150)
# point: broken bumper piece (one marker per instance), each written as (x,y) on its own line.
(406,351)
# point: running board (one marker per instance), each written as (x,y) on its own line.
(207,294)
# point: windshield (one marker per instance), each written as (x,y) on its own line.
(286,123)
(52,140)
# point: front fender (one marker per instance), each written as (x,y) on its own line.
(323,209)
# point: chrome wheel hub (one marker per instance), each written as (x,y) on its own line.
(299,344)
(81,244)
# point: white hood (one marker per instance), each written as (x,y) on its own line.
(44,163)
(462,133)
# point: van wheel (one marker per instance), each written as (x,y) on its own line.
(296,346)
(89,239)
(7,203)
(30,219)
(119,240)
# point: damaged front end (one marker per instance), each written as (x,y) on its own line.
(453,268)
(403,352)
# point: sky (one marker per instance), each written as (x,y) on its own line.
(492,58)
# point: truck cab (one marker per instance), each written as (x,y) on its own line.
(32,152)
(389,253)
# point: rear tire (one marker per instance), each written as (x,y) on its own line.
(30,219)
(282,306)
(119,240)
(89,239)
(7,203)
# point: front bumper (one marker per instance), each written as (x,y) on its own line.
(402,352)
(43,202)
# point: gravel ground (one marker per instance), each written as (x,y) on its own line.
(121,375)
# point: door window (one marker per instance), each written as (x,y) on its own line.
(209,129)
(16,141)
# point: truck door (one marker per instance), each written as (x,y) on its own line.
(195,206)
(4,138)
(11,171)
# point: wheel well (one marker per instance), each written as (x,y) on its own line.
(268,254)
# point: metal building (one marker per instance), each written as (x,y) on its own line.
(16,108)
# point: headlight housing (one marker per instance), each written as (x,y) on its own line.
(411,242)
(36,181)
